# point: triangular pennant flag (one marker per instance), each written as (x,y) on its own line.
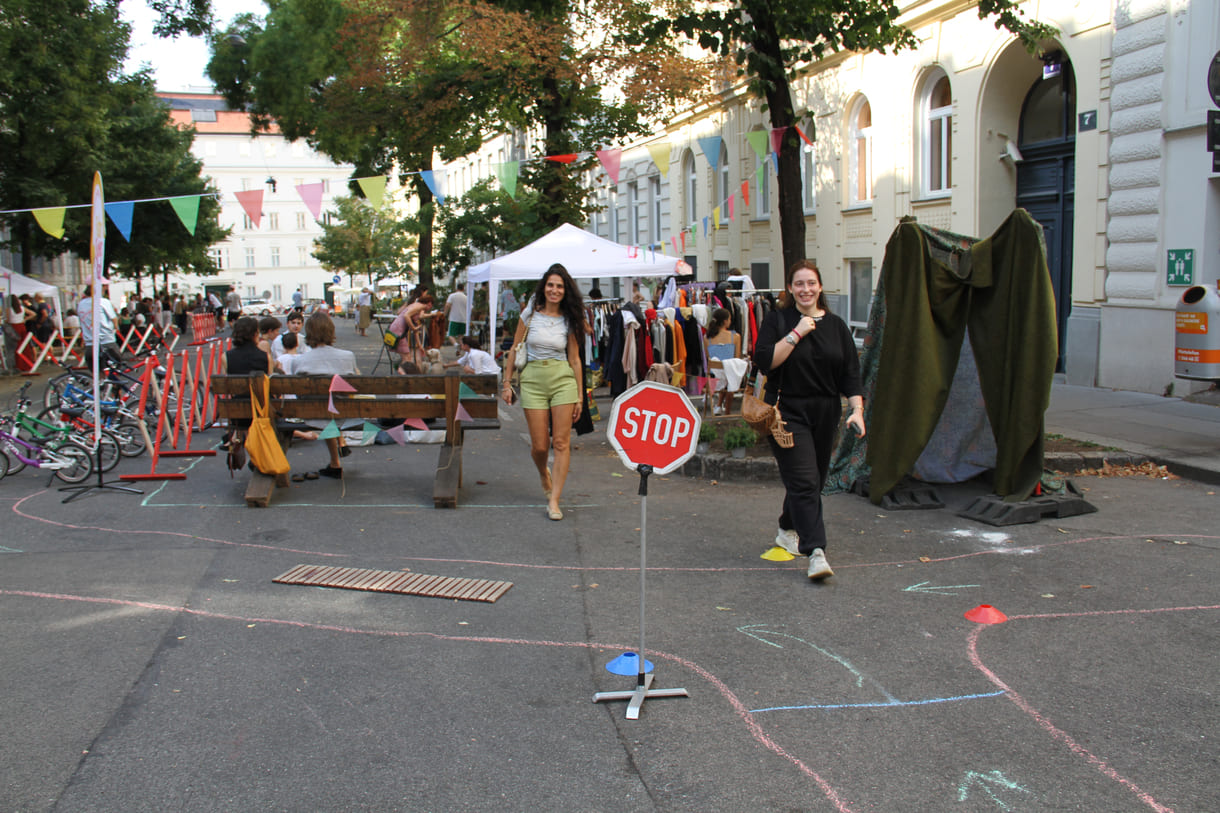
(758,140)
(430,179)
(711,150)
(705,227)
(660,156)
(507,173)
(566,158)
(330,404)
(120,214)
(777,138)
(745,192)
(801,133)
(374,189)
(311,196)
(369,431)
(716,219)
(463,415)
(252,201)
(51,220)
(396,434)
(674,239)
(683,242)
(331,431)
(611,159)
(416,423)
(337,384)
(187,209)
(775,161)
(464,390)
(731,199)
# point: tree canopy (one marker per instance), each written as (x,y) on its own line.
(364,241)
(66,112)
(770,41)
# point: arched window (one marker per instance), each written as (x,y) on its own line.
(1049,113)
(809,191)
(860,136)
(936,138)
(691,177)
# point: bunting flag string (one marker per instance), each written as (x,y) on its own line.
(765,143)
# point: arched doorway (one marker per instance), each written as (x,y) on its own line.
(1046,179)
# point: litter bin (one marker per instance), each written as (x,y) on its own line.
(1197,330)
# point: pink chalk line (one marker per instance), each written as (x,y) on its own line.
(1045,724)
(739,708)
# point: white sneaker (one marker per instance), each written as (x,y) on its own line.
(717,410)
(789,541)
(819,568)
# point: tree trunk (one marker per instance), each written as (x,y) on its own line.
(788,181)
(427,218)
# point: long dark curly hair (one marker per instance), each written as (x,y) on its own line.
(571,306)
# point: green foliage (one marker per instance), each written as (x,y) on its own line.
(66,112)
(739,437)
(369,244)
(57,58)
(707,432)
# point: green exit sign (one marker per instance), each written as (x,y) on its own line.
(1181,267)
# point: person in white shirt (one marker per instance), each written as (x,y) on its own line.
(106,320)
(474,359)
(455,314)
(296,321)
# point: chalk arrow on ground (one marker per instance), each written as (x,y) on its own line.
(992,783)
(936,589)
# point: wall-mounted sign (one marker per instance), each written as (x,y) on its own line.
(1086,121)
(1180,270)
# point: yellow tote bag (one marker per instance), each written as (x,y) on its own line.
(261,442)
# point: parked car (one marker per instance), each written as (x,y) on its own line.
(258,307)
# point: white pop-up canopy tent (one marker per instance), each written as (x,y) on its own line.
(585,256)
(13,283)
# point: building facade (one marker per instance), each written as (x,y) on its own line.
(272,258)
(1101,137)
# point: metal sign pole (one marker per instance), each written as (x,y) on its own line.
(642,689)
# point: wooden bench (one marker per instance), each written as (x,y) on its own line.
(376,397)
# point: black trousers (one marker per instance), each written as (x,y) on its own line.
(813,422)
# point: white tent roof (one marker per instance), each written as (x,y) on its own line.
(13,283)
(21,284)
(585,255)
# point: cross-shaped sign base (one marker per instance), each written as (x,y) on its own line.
(637,697)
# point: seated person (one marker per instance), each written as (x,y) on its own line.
(296,320)
(474,359)
(268,331)
(723,344)
(324,358)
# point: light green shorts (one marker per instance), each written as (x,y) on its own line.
(548,382)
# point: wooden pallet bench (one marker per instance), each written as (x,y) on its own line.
(376,397)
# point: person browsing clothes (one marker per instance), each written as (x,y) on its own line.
(552,328)
(810,360)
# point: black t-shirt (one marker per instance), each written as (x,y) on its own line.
(247,358)
(825,362)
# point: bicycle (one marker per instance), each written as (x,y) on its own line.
(70,462)
(54,434)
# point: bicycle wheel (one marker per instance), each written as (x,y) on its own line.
(130,438)
(3,465)
(54,392)
(110,449)
(77,462)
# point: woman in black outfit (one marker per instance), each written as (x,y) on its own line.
(810,359)
(245,358)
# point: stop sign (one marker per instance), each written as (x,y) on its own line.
(653,424)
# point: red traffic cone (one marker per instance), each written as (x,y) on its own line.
(986,614)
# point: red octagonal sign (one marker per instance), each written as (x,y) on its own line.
(653,424)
